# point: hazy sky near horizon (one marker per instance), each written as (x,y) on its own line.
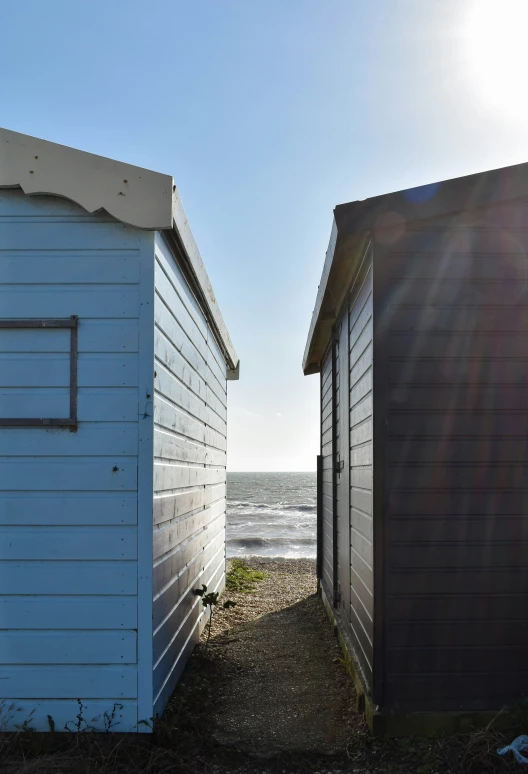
(268,113)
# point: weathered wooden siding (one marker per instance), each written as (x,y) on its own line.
(68,501)
(189,471)
(452,386)
(360,327)
(327,494)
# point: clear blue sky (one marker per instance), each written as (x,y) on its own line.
(268,113)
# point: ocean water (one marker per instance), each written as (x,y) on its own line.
(271,514)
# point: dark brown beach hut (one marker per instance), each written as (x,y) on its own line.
(420,337)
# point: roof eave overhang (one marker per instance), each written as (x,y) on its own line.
(341,263)
(356,223)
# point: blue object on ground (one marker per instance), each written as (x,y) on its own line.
(521,743)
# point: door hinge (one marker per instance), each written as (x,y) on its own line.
(340,465)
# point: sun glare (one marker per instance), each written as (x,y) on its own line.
(495,37)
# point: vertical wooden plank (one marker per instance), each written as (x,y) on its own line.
(319,517)
(380,504)
(335,458)
(145,480)
(343,473)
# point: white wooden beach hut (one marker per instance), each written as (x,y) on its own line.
(114,359)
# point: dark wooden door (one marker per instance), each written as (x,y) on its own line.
(342,468)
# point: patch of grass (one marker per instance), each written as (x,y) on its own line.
(242,578)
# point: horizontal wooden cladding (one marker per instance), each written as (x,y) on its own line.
(446,692)
(427,581)
(422,318)
(64,713)
(106,578)
(98,681)
(177,352)
(93,336)
(467,265)
(460,504)
(174,533)
(67,543)
(174,294)
(91,439)
(178,504)
(69,473)
(68,647)
(45,301)
(168,600)
(454,634)
(40,236)
(171,476)
(361,411)
(458,476)
(478,555)
(68,509)
(169,446)
(179,599)
(462,371)
(172,662)
(492,528)
(86,267)
(472,345)
(55,612)
(93,404)
(497,612)
(483,398)
(179,395)
(477,424)
(449,660)
(170,417)
(167,567)
(470,292)
(53,370)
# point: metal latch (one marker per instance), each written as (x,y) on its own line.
(340,465)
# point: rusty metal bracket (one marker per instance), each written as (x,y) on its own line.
(73,324)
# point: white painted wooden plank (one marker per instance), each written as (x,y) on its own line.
(85,301)
(175,532)
(174,505)
(68,509)
(176,392)
(53,370)
(68,682)
(178,395)
(170,596)
(68,647)
(167,267)
(89,577)
(72,612)
(172,345)
(171,341)
(91,439)
(218,371)
(213,493)
(172,301)
(169,446)
(114,267)
(64,713)
(167,416)
(172,476)
(69,473)
(167,260)
(217,404)
(67,543)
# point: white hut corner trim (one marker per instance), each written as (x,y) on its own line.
(131,194)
